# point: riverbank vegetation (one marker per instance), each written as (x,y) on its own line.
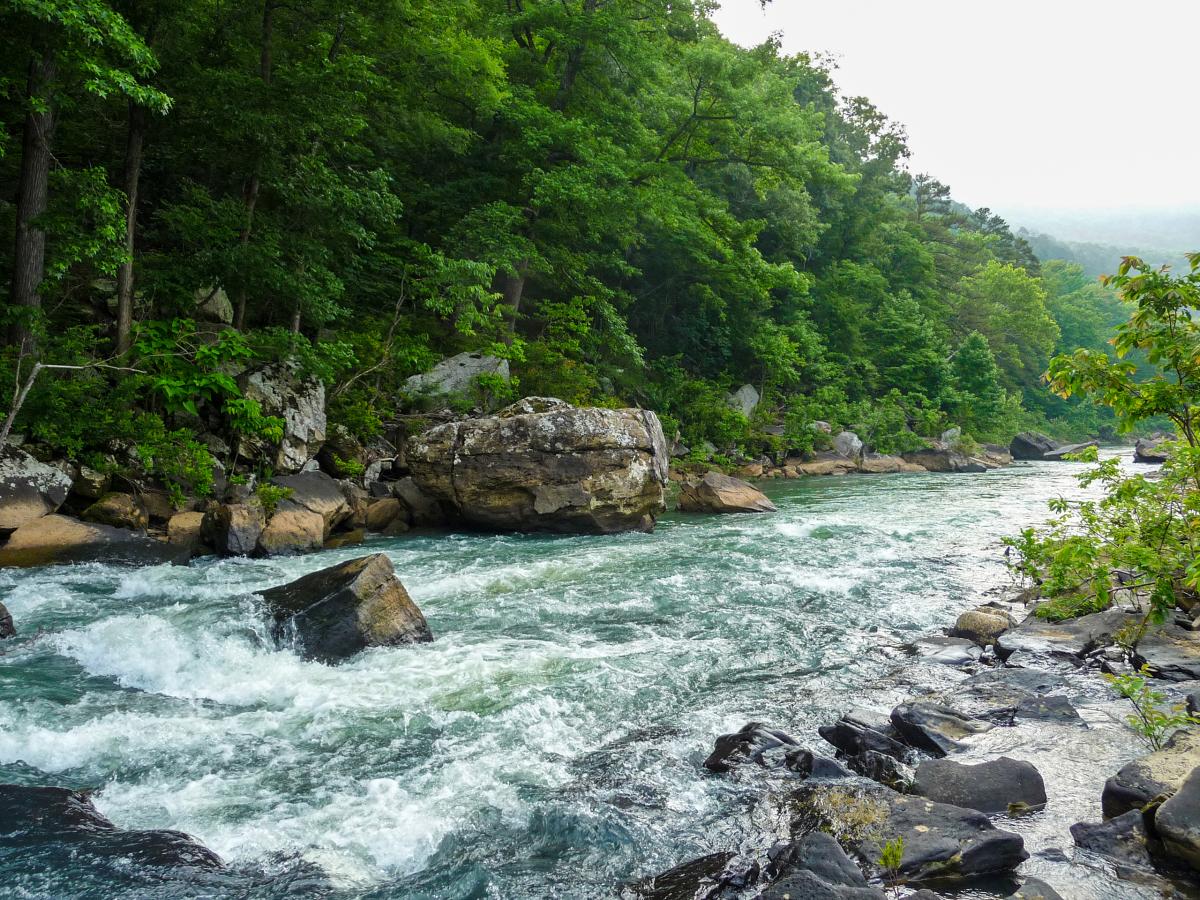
(629,208)
(1140,537)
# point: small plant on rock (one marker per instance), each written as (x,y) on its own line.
(271,495)
(1152,719)
(890,858)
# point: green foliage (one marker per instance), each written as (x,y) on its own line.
(183,463)
(271,495)
(891,857)
(1152,719)
(1147,526)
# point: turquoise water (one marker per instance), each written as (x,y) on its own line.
(548,744)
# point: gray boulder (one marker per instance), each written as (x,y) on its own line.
(856,733)
(334,613)
(1031,445)
(934,729)
(982,625)
(1072,638)
(118,509)
(717,493)
(233,529)
(7,629)
(544,465)
(1171,652)
(456,376)
(1000,786)
(1158,774)
(213,305)
(305,519)
(1123,839)
(941,459)
(58,540)
(847,444)
(940,841)
(745,400)
(300,401)
(1034,889)
(1178,822)
(816,868)
(28,489)
(771,749)
(1151,450)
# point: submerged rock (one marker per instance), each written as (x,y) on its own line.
(334,613)
(1158,774)
(697,878)
(1000,786)
(717,493)
(934,729)
(940,841)
(28,489)
(1031,445)
(58,540)
(752,742)
(30,816)
(544,465)
(7,629)
(1178,822)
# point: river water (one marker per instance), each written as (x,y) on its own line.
(549,743)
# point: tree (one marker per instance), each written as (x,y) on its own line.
(980,399)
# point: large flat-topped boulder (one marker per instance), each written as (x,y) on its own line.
(544,465)
(58,540)
(1031,445)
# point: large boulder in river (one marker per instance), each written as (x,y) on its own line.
(282,391)
(717,493)
(334,613)
(35,817)
(7,629)
(1000,786)
(1151,450)
(943,459)
(1158,774)
(1031,445)
(57,540)
(28,489)
(1060,454)
(544,465)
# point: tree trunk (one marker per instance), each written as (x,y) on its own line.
(133,171)
(512,287)
(29,250)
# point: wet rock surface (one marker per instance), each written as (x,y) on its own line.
(940,841)
(1177,823)
(333,614)
(1123,839)
(33,816)
(817,867)
(999,786)
(1031,446)
(935,729)
(1072,638)
(1158,774)
(7,628)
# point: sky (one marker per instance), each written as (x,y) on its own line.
(1026,106)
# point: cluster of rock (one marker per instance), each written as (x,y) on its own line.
(539,465)
(894,776)
(1032,446)
(849,455)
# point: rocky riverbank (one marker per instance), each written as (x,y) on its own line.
(940,780)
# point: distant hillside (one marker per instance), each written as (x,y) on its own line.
(1096,259)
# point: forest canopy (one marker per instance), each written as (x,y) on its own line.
(627,206)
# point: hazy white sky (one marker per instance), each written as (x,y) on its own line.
(1025,104)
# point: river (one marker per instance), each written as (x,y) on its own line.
(548,744)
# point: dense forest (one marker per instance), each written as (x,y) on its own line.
(628,207)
